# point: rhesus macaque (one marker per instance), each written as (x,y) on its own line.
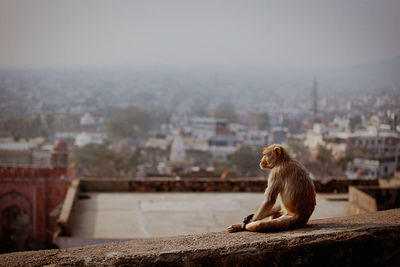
(290,184)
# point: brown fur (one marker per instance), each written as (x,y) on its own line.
(290,184)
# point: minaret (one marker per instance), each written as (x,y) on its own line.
(315,101)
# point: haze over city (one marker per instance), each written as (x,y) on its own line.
(98,34)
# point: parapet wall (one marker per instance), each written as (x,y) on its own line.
(29,172)
(205,185)
(364,199)
(362,240)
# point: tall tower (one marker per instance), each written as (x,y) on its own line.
(315,101)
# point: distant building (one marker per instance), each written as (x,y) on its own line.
(89,138)
(319,128)
(256,138)
(207,127)
(178,152)
(377,144)
(156,151)
(377,154)
(83,138)
(370,168)
(161,150)
(313,139)
(249,137)
(221,147)
(278,135)
(87,119)
(197,152)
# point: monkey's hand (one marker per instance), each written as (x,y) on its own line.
(248,219)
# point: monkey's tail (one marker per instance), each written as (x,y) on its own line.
(281,223)
(235,228)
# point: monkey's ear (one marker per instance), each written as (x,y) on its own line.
(277,151)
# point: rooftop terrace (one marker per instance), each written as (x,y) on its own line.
(101,217)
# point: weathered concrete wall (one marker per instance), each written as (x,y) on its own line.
(363,199)
(368,239)
(394,182)
(205,185)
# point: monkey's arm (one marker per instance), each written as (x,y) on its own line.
(266,208)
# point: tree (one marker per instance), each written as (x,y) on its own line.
(323,164)
(355,121)
(246,161)
(96,160)
(263,121)
(24,127)
(14,127)
(49,119)
(130,122)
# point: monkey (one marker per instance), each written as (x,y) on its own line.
(289,197)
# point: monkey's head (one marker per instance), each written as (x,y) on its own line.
(272,156)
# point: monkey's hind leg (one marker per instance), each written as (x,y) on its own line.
(282,223)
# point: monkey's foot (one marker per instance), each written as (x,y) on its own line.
(235,228)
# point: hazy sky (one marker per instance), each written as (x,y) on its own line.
(306,33)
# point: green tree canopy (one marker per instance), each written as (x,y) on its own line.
(129,122)
(355,121)
(324,164)
(246,160)
(25,127)
(96,160)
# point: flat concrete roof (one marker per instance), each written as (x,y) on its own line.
(145,215)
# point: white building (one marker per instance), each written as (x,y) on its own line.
(377,153)
(178,152)
(221,147)
(87,119)
(89,138)
(249,137)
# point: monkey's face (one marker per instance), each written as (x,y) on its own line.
(264,163)
(270,157)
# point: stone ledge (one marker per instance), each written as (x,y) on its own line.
(355,240)
(254,184)
(65,215)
